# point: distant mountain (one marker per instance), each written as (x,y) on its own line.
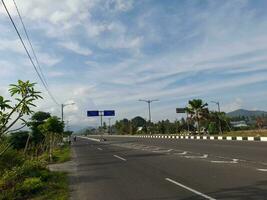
(246,113)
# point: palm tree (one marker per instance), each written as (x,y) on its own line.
(197,111)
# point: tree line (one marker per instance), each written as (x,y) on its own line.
(199,120)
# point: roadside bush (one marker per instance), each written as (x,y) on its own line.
(31,185)
(10,159)
(15,183)
(213,128)
(18,139)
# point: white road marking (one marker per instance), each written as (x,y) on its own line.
(163,151)
(263,139)
(93,139)
(99,149)
(190,189)
(228,138)
(119,157)
(262,170)
(204,156)
(234,161)
(182,153)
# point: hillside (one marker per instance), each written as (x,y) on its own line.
(246,113)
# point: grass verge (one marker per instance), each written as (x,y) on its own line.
(31,179)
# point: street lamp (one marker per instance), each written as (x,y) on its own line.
(62,110)
(149,108)
(149,101)
(219,111)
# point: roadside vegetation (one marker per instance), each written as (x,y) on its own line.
(24,155)
(199,120)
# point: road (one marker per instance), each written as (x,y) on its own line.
(151,168)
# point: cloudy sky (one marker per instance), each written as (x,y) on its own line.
(107,54)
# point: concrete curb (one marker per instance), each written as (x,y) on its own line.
(237,138)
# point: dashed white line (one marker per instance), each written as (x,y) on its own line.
(190,189)
(182,153)
(119,157)
(204,156)
(99,149)
(162,151)
(234,161)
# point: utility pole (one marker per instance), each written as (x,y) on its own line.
(149,101)
(219,110)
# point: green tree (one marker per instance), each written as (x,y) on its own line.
(197,111)
(52,129)
(18,139)
(37,119)
(137,122)
(123,127)
(104,126)
(24,95)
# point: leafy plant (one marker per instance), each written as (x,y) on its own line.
(31,185)
(197,111)
(24,96)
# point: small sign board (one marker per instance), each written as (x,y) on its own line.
(92,113)
(180,110)
(109,112)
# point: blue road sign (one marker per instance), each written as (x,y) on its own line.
(92,113)
(109,112)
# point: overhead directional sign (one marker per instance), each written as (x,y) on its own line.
(109,112)
(180,110)
(92,113)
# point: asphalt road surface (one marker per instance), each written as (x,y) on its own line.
(124,168)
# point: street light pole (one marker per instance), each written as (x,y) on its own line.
(149,101)
(109,128)
(219,110)
(62,110)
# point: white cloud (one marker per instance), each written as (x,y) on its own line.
(56,74)
(75,47)
(234,105)
(13,45)
(46,59)
(120,5)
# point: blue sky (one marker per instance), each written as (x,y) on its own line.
(107,54)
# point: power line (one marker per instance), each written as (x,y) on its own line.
(28,54)
(29,41)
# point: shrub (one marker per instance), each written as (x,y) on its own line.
(11,158)
(213,128)
(31,185)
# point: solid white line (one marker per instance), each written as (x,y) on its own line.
(119,157)
(93,139)
(262,170)
(99,149)
(190,189)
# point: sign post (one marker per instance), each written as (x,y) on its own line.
(96,113)
(183,110)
